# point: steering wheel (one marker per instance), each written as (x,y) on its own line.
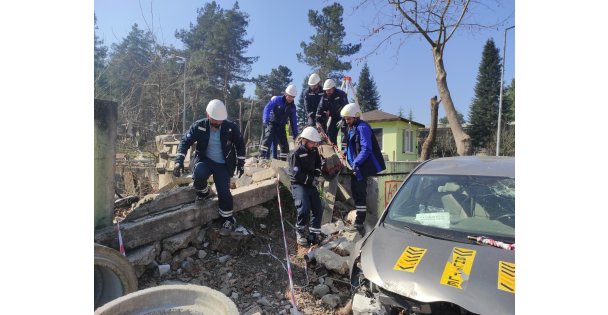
(506,215)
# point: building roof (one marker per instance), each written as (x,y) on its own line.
(378,115)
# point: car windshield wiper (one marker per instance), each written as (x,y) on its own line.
(488,241)
(425,233)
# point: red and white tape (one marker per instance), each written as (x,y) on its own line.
(293,296)
(120,244)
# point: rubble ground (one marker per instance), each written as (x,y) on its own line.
(252,272)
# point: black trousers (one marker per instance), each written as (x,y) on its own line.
(359,190)
(307,198)
(274,134)
(201,170)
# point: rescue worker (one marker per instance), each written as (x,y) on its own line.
(364,156)
(328,112)
(219,151)
(276,113)
(304,172)
(312,97)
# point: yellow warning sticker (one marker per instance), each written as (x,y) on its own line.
(506,276)
(409,259)
(458,269)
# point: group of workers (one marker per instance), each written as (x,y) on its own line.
(220,151)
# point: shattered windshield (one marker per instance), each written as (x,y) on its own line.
(476,205)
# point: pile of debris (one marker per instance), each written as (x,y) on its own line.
(169,238)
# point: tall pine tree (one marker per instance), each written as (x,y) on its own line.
(269,85)
(131,64)
(483,113)
(326,48)
(215,47)
(367,95)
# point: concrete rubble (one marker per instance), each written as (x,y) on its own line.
(168,235)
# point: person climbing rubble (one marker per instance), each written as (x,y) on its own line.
(275,116)
(219,151)
(304,172)
(363,155)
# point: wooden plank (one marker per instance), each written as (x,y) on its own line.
(155,227)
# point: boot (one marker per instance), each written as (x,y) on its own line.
(202,195)
(313,238)
(228,226)
(301,238)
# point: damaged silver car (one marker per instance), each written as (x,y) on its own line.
(444,245)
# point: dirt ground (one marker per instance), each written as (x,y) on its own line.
(254,274)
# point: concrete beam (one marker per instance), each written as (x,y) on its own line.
(160,225)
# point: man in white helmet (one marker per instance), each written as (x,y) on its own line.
(312,97)
(219,151)
(364,155)
(328,112)
(275,116)
(304,172)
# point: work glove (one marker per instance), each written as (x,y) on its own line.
(179,167)
(240,168)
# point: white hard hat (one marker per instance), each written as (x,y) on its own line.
(329,83)
(217,110)
(311,134)
(291,90)
(314,79)
(351,110)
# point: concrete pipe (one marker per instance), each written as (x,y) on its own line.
(171,299)
(114,275)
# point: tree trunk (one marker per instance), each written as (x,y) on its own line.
(430,139)
(463,141)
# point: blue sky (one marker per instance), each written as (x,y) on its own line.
(404,80)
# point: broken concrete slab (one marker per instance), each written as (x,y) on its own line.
(176,181)
(178,196)
(263,174)
(157,226)
(281,168)
(180,240)
(243,181)
(143,255)
(332,261)
(331,228)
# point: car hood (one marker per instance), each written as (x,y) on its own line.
(480,279)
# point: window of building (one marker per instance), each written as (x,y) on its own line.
(378,134)
(408,140)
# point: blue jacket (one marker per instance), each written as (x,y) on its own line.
(363,151)
(233,147)
(277,111)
